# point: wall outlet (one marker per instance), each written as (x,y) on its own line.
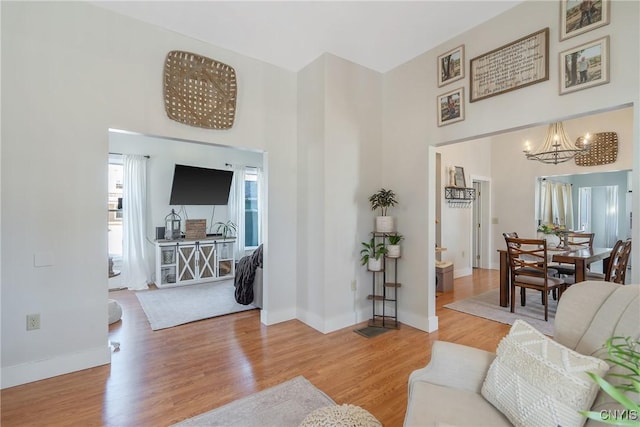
(354,285)
(33,322)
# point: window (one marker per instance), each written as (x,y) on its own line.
(116,175)
(251,209)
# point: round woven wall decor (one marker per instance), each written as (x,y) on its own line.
(199,91)
(603,149)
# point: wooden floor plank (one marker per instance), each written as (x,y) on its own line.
(158,378)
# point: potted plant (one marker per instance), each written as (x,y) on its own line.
(393,248)
(624,354)
(371,254)
(382,200)
(227,230)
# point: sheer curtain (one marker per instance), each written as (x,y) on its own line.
(556,203)
(611,216)
(236,208)
(135,270)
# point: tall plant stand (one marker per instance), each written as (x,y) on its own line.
(384,291)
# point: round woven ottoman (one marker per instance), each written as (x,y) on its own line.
(340,416)
(115,311)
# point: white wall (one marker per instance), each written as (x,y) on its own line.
(410,122)
(77,71)
(339,140)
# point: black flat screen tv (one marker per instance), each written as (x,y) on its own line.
(200,186)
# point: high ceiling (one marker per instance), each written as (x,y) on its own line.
(379,35)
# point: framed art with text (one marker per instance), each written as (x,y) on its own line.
(515,65)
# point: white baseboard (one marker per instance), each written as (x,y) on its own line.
(427,324)
(271,317)
(461,272)
(47,368)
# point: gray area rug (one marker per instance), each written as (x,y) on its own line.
(170,307)
(284,405)
(487,305)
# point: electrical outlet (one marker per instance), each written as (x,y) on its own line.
(354,285)
(33,322)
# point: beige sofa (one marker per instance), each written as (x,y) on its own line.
(447,390)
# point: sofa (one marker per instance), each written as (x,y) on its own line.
(449,390)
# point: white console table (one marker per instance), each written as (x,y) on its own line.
(186,262)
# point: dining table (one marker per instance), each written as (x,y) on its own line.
(579,256)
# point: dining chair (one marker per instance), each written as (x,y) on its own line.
(528,260)
(574,239)
(618,261)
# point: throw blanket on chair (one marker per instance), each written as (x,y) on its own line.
(245,273)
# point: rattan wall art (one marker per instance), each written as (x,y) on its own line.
(199,91)
(603,150)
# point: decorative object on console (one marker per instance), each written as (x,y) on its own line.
(450,107)
(583,16)
(199,91)
(227,229)
(584,66)
(603,149)
(195,229)
(172,226)
(557,148)
(451,66)
(383,199)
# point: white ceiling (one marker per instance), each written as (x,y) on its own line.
(379,35)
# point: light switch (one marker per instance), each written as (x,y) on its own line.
(43,259)
(494,220)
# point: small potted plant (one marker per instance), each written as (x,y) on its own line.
(227,230)
(371,254)
(393,248)
(383,199)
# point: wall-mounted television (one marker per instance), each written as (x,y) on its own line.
(200,186)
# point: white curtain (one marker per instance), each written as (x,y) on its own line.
(236,208)
(611,216)
(135,270)
(556,203)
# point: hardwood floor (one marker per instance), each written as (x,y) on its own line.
(162,377)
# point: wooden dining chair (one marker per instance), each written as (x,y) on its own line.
(574,239)
(618,261)
(528,260)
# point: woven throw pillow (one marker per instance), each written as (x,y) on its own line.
(340,416)
(535,381)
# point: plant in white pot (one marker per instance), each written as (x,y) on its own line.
(227,230)
(383,199)
(372,254)
(393,248)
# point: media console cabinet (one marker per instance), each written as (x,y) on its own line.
(187,262)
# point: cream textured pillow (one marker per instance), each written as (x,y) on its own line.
(534,381)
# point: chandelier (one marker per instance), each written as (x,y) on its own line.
(557,148)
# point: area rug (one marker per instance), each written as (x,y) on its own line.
(284,405)
(487,305)
(170,307)
(370,331)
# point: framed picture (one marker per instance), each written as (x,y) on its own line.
(580,16)
(451,107)
(584,66)
(451,66)
(460,182)
(520,63)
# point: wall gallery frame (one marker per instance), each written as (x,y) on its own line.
(460,181)
(450,107)
(451,66)
(584,66)
(579,16)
